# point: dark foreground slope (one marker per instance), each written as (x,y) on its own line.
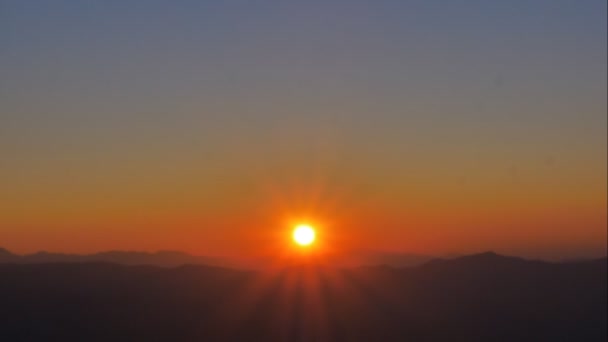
(484,297)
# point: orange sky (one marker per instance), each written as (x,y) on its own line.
(258,222)
(395,126)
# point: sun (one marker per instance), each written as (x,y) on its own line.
(304,234)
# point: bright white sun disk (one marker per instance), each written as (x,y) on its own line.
(304,234)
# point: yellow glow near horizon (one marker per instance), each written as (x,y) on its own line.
(304,234)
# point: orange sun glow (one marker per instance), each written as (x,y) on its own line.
(304,234)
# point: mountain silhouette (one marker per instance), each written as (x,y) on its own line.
(6,256)
(364,257)
(161,258)
(175,258)
(482,297)
(483,260)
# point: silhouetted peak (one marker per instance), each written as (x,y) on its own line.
(172,253)
(44,254)
(375,267)
(160,258)
(487,259)
(4,253)
(163,253)
(488,256)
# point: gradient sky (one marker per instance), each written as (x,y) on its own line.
(209,126)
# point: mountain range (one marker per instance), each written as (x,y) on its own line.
(481,297)
(161,258)
(175,258)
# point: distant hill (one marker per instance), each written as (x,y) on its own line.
(363,257)
(481,297)
(173,259)
(490,259)
(6,256)
(161,258)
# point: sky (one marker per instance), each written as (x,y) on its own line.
(212,126)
